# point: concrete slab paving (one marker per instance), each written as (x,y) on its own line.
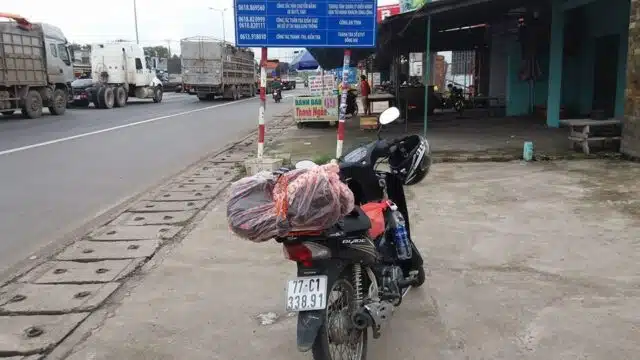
(28,335)
(209,180)
(155,218)
(184,196)
(528,261)
(233,156)
(36,299)
(116,250)
(132,232)
(213,170)
(162,206)
(72,272)
(195,187)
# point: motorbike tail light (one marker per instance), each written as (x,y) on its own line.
(306,253)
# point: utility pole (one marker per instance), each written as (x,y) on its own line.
(221,11)
(135,18)
(169,46)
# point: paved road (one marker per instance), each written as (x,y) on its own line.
(58,172)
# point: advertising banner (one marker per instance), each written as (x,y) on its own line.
(387,10)
(319,86)
(316,108)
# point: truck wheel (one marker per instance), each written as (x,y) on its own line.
(99,100)
(109,98)
(8,112)
(157,95)
(120,97)
(203,97)
(32,105)
(58,102)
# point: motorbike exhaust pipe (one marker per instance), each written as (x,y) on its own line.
(362,319)
(380,313)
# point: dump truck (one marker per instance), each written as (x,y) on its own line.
(121,71)
(36,68)
(213,68)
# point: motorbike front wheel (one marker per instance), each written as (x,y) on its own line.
(338,339)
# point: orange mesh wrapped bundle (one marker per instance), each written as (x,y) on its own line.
(267,205)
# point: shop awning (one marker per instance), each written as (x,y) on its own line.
(304,61)
(332,58)
(407,32)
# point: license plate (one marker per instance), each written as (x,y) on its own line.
(77,97)
(307,293)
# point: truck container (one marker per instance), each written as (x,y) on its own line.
(213,68)
(36,68)
(120,71)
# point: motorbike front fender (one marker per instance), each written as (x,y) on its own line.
(309,323)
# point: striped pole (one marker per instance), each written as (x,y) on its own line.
(263,101)
(343,102)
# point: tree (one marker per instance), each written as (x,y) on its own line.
(159,51)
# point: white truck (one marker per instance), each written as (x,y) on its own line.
(36,68)
(120,71)
(213,68)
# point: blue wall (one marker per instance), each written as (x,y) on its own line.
(603,17)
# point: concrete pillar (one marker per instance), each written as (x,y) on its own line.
(631,126)
(555,64)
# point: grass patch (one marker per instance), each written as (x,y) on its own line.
(322,159)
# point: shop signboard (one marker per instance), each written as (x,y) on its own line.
(385,11)
(316,108)
(306,23)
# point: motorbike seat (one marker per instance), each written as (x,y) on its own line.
(355,222)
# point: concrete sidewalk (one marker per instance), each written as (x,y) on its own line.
(528,261)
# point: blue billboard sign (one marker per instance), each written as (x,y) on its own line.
(306,23)
(351,76)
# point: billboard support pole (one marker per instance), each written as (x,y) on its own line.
(343,102)
(427,71)
(263,101)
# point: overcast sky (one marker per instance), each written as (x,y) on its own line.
(159,21)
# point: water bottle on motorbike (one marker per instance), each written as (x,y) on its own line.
(400,235)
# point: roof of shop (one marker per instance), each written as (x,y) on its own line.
(407,32)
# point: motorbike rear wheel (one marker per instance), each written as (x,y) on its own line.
(338,339)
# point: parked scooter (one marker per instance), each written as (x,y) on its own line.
(367,263)
(352,104)
(277,95)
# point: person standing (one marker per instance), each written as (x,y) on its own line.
(365,91)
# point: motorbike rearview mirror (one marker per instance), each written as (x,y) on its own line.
(390,115)
(305,164)
(387,117)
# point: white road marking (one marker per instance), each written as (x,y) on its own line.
(79,136)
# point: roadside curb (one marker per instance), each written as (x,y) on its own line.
(506,157)
(44,303)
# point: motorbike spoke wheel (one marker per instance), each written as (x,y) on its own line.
(338,339)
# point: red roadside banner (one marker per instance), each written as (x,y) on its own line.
(385,11)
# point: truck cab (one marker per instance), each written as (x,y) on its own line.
(59,57)
(122,70)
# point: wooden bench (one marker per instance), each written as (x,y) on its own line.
(580,131)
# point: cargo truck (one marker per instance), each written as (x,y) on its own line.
(36,68)
(213,68)
(121,71)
